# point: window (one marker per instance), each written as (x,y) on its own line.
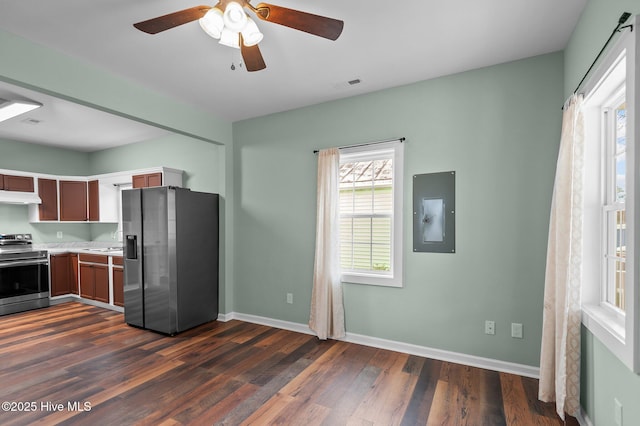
(609,280)
(371,214)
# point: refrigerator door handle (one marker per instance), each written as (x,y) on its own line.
(132,247)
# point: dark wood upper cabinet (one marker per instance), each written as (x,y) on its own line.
(17,183)
(48,192)
(154,179)
(73,200)
(147,180)
(94,200)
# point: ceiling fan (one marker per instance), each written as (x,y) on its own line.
(228,22)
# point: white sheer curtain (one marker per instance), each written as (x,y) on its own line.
(560,351)
(327,309)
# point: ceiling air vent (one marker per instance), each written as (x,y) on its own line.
(347,84)
(31,121)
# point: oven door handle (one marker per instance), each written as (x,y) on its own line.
(10,263)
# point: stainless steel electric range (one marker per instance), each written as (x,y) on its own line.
(24,274)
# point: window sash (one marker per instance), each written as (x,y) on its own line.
(614,211)
(361,214)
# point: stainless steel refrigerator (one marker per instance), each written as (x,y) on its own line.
(170,258)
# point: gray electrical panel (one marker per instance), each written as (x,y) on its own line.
(434,207)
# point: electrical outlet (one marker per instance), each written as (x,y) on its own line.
(489,327)
(617,413)
(289,298)
(59,234)
(516,330)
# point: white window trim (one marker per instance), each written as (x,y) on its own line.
(396,277)
(620,332)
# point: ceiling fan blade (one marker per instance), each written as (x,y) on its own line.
(252,57)
(309,23)
(166,22)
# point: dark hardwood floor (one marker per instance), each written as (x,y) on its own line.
(79,364)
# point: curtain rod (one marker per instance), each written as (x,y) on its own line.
(618,28)
(401,139)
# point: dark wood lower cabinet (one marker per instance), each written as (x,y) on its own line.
(94,282)
(88,276)
(87,281)
(117,278)
(101,277)
(94,277)
(60,265)
(75,278)
(118,286)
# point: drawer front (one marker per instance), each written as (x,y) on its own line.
(117,260)
(93,258)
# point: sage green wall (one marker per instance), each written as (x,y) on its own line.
(604,377)
(202,162)
(497,127)
(42,159)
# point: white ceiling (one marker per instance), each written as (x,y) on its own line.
(68,125)
(421,39)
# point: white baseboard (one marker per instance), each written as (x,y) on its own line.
(583,419)
(56,300)
(459,358)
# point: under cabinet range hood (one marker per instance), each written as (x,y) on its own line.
(17,197)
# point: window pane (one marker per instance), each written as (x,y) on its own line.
(381,244)
(361,230)
(620,284)
(621,234)
(363,201)
(383,199)
(362,257)
(621,127)
(346,201)
(346,243)
(620,148)
(621,172)
(617,272)
(616,252)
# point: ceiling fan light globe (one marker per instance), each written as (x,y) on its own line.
(251,35)
(212,22)
(230,38)
(234,17)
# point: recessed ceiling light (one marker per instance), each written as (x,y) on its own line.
(10,109)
